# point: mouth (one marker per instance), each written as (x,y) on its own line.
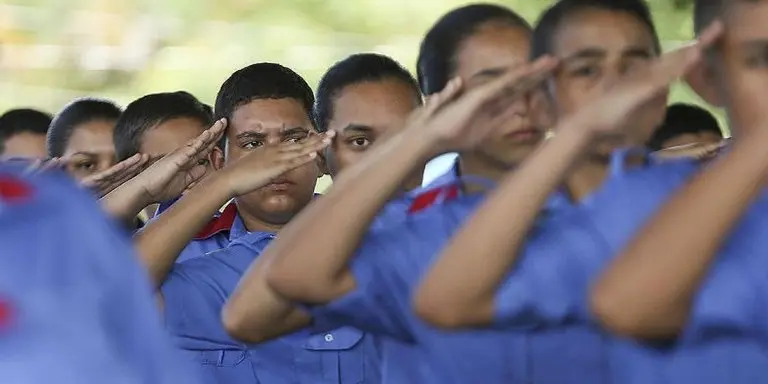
(279,185)
(525,135)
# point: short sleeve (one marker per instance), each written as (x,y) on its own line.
(375,305)
(730,301)
(194,294)
(550,283)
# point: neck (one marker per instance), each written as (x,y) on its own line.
(255,224)
(585,179)
(474,166)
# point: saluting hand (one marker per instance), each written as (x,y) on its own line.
(461,118)
(107,180)
(619,106)
(170,175)
(266,163)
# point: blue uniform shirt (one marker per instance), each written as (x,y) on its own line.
(549,289)
(390,263)
(195,293)
(387,266)
(78,308)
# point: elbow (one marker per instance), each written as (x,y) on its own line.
(237,326)
(444,315)
(293,287)
(626,318)
(613,315)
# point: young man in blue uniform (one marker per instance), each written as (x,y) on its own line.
(700,260)
(272,165)
(75,308)
(476,43)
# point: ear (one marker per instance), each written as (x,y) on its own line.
(322,164)
(216,158)
(702,80)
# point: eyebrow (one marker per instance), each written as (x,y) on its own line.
(84,153)
(637,52)
(490,72)
(598,53)
(587,53)
(357,128)
(293,131)
(261,135)
(757,44)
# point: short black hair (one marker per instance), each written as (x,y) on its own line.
(152,110)
(358,68)
(707,11)
(262,81)
(436,64)
(682,119)
(22,120)
(552,19)
(74,114)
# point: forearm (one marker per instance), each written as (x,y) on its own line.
(648,290)
(312,252)
(125,202)
(494,235)
(163,239)
(255,313)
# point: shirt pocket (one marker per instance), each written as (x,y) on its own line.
(223,366)
(335,357)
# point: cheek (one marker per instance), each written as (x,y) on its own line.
(749,99)
(234,153)
(343,158)
(569,97)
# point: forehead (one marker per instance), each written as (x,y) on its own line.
(602,29)
(93,136)
(374,103)
(169,135)
(268,116)
(492,46)
(747,20)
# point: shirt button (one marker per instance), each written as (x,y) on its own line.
(328,337)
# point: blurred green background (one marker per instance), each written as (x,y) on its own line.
(54,50)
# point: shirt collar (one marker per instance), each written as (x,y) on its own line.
(224,222)
(227,221)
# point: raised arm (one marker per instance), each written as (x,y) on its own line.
(165,179)
(310,261)
(498,230)
(648,290)
(163,239)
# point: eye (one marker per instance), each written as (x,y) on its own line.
(86,165)
(253,144)
(585,71)
(359,142)
(758,59)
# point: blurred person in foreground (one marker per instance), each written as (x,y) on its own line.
(75,307)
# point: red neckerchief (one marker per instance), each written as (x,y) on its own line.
(14,190)
(432,196)
(220,223)
(6,314)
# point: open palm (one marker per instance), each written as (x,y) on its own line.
(170,175)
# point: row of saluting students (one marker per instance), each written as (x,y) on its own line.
(580,258)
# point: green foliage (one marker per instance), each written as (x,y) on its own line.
(199,42)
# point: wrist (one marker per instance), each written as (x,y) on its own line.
(220,184)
